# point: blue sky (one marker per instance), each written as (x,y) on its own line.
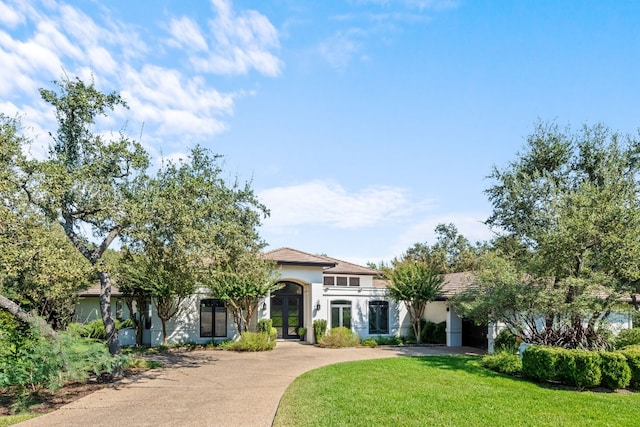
(362,124)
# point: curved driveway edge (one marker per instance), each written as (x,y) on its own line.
(214,388)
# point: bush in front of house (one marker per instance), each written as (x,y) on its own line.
(30,362)
(250,341)
(615,369)
(627,337)
(434,333)
(340,337)
(370,342)
(388,340)
(506,341)
(632,354)
(503,362)
(579,368)
(319,329)
(539,363)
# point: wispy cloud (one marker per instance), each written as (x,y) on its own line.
(57,38)
(239,42)
(321,202)
(373,21)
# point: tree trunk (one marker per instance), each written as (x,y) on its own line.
(28,318)
(105,310)
(164,330)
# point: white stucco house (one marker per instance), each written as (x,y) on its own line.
(314,287)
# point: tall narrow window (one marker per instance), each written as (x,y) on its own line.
(213,318)
(378,317)
(341,314)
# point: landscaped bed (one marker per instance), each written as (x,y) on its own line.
(442,390)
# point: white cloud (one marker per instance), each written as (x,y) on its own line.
(177,105)
(59,38)
(340,49)
(240,42)
(187,34)
(320,202)
(10,17)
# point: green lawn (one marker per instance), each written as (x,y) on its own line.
(442,391)
(8,420)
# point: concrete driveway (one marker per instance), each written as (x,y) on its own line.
(214,388)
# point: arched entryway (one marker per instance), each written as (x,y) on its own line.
(286,310)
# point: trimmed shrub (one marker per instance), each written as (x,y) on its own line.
(319,329)
(503,362)
(506,341)
(434,333)
(340,337)
(633,361)
(627,337)
(578,368)
(615,370)
(250,341)
(539,363)
(388,340)
(370,342)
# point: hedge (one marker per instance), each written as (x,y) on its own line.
(582,368)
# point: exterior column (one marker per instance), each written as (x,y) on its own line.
(454,328)
(316,296)
(491,337)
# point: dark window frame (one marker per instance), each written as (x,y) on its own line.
(376,315)
(213,303)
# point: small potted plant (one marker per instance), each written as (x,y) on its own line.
(301,332)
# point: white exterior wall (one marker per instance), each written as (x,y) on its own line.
(87,309)
(454,329)
(436,312)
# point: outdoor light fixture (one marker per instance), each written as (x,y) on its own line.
(318,306)
(264,306)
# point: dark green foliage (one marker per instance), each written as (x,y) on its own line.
(388,340)
(95,328)
(577,368)
(627,337)
(539,363)
(430,332)
(30,362)
(504,362)
(250,341)
(265,325)
(633,361)
(434,333)
(615,370)
(319,329)
(340,337)
(506,341)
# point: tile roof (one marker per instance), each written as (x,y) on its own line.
(453,284)
(94,291)
(288,256)
(344,267)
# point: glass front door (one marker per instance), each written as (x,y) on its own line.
(286,310)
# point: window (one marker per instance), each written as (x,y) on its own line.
(341,314)
(378,317)
(213,318)
(341,281)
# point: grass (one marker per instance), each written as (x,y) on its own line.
(8,420)
(441,391)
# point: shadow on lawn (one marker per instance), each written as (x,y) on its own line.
(469,364)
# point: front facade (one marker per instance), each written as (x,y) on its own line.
(313,287)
